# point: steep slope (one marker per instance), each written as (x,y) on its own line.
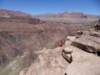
(22,35)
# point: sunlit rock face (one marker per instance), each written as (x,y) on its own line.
(73,58)
(85,68)
(82,49)
(49,62)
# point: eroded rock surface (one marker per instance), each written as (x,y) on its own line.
(49,62)
(78,56)
(84,62)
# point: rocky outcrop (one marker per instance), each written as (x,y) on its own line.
(76,57)
(49,62)
(83,61)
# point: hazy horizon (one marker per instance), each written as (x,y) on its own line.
(36,7)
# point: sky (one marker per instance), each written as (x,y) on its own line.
(52,6)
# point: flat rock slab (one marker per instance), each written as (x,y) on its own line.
(85,68)
(89,41)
